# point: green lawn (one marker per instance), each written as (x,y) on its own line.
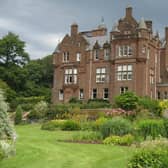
(40,149)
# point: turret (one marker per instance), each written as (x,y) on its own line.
(74,29)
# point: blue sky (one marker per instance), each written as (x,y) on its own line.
(42,23)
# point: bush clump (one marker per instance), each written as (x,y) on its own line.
(127,101)
(152,128)
(166,127)
(52,125)
(116,126)
(99,122)
(152,105)
(18,115)
(119,140)
(87,136)
(70,125)
(2,155)
(152,155)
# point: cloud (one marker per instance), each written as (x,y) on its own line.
(41,23)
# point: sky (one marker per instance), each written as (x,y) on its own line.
(43,23)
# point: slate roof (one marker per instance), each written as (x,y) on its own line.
(101,40)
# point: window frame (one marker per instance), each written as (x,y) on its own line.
(124,72)
(101,75)
(70,76)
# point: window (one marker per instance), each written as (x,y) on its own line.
(65,56)
(124,72)
(143,49)
(106,54)
(165,95)
(100,75)
(70,76)
(94,93)
(125,51)
(148,53)
(81,94)
(78,57)
(151,77)
(96,54)
(106,93)
(61,94)
(159,95)
(123,89)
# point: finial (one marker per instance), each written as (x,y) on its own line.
(102,19)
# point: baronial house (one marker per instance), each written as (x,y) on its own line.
(97,64)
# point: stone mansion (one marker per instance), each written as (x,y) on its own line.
(96,64)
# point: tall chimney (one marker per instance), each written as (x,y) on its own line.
(149,25)
(74,29)
(166,53)
(166,35)
(129,11)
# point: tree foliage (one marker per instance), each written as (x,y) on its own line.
(20,76)
(127,101)
(6,129)
(12,51)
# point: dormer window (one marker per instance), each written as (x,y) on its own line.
(106,54)
(78,57)
(96,54)
(65,56)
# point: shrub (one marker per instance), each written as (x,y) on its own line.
(58,111)
(127,101)
(151,127)
(119,140)
(70,125)
(2,155)
(88,136)
(28,102)
(39,110)
(116,126)
(7,134)
(18,115)
(75,100)
(87,125)
(152,155)
(99,122)
(166,127)
(6,129)
(52,125)
(152,105)
(96,103)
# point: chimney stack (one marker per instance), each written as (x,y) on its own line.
(149,25)
(129,11)
(166,35)
(74,29)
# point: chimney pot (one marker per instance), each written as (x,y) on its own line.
(129,11)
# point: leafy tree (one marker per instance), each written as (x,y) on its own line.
(6,129)
(7,134)
(12,51)
(127,101)
(18,115)
(9,94)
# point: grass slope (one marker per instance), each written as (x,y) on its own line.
(40,149)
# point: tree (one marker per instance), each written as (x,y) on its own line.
(12,51)
(18,115)
(127,101)
(7,134)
